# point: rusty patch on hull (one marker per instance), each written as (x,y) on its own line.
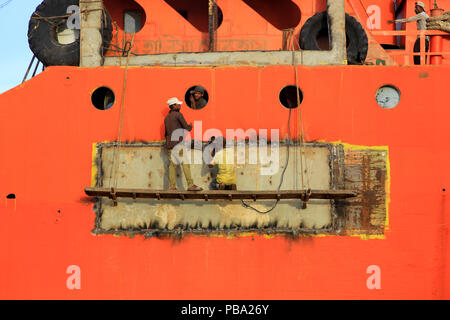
(333,166)
(365,170)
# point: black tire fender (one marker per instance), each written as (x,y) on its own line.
(357,42)
(42,37)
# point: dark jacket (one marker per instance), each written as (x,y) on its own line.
(173,121)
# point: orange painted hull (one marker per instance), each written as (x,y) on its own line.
(48,127)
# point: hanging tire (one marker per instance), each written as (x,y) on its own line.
(357,43)
(43,34)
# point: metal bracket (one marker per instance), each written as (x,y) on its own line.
(113,196)
(305,198)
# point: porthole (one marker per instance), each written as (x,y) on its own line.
(387,96)
(289,98)
(103,98)
(196,97)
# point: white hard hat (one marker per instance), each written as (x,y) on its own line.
(420,4)
(173,101)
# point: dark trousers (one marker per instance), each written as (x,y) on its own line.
(216,186)
(417,49)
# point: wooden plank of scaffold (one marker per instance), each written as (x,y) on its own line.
(219,194)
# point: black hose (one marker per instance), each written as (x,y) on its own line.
(246,205)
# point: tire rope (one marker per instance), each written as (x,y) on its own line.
(36,16)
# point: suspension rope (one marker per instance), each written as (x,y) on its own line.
(291,38)
(302,133)
(300,118)
(115,163)
(246,205)
(35,69)
(29,67)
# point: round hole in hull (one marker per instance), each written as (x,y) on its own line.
(200,100)
(289,98)
(103,98)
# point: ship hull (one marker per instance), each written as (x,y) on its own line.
(48,128)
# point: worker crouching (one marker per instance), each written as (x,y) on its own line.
(223,157)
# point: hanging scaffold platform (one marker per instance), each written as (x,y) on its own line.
(304,195)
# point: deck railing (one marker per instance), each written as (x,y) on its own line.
(407,52)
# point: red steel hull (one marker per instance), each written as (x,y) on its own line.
(48,127)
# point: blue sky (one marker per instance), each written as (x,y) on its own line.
(15,55)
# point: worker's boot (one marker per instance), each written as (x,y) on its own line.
(221,186)
(195,188)
(233,187)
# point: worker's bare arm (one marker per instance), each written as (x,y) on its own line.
(410,19)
